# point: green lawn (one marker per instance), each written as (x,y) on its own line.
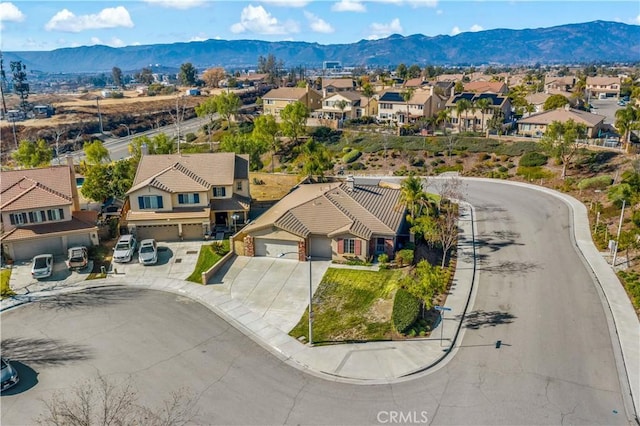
(5,290)
(209,255)
(351,305)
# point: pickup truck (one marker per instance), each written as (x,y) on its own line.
(77,258)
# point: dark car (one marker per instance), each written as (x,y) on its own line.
(9,375)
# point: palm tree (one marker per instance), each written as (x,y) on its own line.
(368,92)
(483,105)
(342,104)
(442,118)
(626,120)
(461,106)
(406,96)
(473,108)
(412,195)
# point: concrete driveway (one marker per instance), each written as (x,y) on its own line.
(21,280)
(275,289)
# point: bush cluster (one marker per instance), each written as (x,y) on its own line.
(404,257)
(351,156)
(534,173)
(406,308)
(596,182)
(533,159)
(631,281)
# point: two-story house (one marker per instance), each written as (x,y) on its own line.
(423,103)
(480,86)
(188,196)
(41,213)
(275,100)
(555,84)
(331,86)
(477,117)
(603,87)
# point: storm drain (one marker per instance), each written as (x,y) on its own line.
(178,261)
(192,252)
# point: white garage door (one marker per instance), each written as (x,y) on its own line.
(274,248)
(157,232)
(27,249)
(320,247)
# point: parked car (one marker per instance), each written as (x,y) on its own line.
(9,376)
(77,258)
(42,266)
(148,253)
(125,249)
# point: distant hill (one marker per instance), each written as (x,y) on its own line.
(597,41)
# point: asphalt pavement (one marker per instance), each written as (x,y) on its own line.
(381,362)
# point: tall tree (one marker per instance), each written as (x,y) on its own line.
(208,108)
(402,71)
(33,154)
(562,141)
(20,85)
(213,76)
(414,71)
(187,75)
(627,119)
(407,94)
(265,130)
(294,119)
(3,83)
(145,76)
(228,105)
(462,106)
(368,92)
(555,101)
(315,159)
(116,74)
(411,195)
(98,179)
(244,144)
(95,152)
(484,105)
(443,118)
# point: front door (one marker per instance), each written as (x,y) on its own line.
(221,219)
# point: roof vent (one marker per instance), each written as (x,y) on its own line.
(350,183)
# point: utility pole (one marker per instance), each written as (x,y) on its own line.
(615,252)
(99,114)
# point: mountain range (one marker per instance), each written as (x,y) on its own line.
(589,42)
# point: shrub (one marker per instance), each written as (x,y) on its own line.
(503,169)
(406,308)
(190,137)
(635,218)
(383,258)
(533,173)
(356,166)
(597,182)
(346,149)
(351,156)
(452,168)
(404,257)
(484,156)
(533,159)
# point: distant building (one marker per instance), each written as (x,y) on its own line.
(331,65)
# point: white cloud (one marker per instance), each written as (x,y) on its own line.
(384,30)
(9,12)
(455,30)
(475,27)
(114,42)
(412,3)
(348,6)
(177,4)
(637,19)
(287,3)
(439,12)
(111,17)
(197,38)
(256,19)
(317,24)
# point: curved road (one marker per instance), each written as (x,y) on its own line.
(555,364)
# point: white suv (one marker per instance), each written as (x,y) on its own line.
(124,249)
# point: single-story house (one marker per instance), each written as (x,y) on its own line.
(188,196)
(536,124)
(337,220)
(41,213)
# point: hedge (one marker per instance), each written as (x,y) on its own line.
(406,308)
(351,156)
(597,182)
(533,159)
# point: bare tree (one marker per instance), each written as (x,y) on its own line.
(178,116)
(101,402)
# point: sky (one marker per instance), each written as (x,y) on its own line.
(49,25)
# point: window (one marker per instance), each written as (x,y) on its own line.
(219,191)
(350,246)
(37,217)
(55,214)
(188,198)
(18,218)
(150,202)
(239,185)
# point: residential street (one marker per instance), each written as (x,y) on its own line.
(555,362)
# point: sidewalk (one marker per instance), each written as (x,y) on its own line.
(374,362)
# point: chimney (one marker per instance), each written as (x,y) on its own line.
(144,150)
(350,183)
(74,187)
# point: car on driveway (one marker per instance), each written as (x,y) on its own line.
(9,375)
(125,249)
(42,266)
(77,258)
(148,253)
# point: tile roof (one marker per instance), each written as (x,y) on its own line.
(35,188)
(288,93)
(78,223)
(347,94)
(201,213)
(332,209)
(190,172)
(496,99)
(235,203)
(343,83)
(485,86)
(603,81)
(563,115)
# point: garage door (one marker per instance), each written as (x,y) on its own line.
(27,249)
(320,247)
(79,240)
(274,248)
(192,231)
(158,232)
